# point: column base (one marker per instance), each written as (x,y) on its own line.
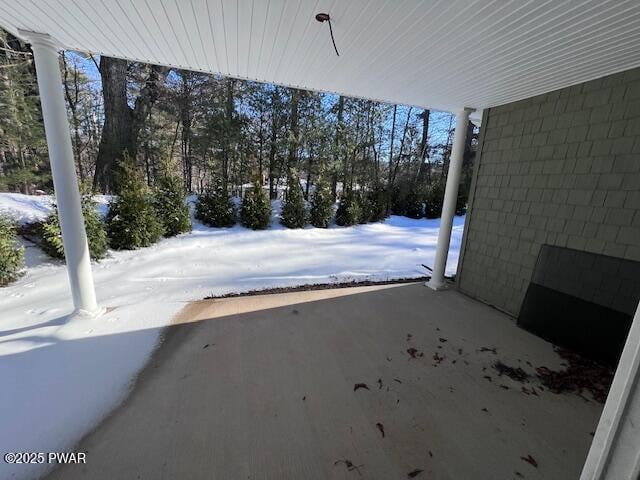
(435,285)
(97,312)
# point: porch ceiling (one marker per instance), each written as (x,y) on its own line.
(442,54)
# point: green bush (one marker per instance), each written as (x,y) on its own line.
(433,200)
(398,199)
(171,206)
(132,221)
(321,212)
(96,235)
(255,212)
(348,212)
(214,207)
(294,211)
(366,208)
(414,204)
(379,204)
(11,253)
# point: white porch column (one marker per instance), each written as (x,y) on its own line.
(74,237)
(615,450)
(450,198)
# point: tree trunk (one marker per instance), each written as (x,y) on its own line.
(309,166)
(122,124)
(402,144)
(292,157)
(272,142)
(336,153)
(115,141)
(393,135)
(261,142)
(424,144)
(229,108)
(72,102)
(185,115)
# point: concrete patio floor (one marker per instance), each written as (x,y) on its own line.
(262,387)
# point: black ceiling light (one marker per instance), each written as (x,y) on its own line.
(324,17)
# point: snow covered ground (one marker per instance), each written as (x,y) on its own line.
(33,208)
(60,375)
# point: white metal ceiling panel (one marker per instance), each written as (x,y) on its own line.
(442,54)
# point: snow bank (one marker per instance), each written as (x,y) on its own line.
(34,208)
(61,375)
(24,208)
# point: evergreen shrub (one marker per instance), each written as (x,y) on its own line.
(214,207)
(51,232)
(321,205)
(294,210)
(132,221)
(348,212)
(171,205)
(255,212)
(11,253)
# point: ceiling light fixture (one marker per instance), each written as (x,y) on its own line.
(324,17)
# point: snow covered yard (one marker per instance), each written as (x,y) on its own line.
(61,375)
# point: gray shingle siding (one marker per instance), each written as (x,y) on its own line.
(561,168)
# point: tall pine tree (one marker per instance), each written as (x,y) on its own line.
(171,204)
(214,207)
(294,211)
(255,212)
(23,153)
(321,204)
(348,212)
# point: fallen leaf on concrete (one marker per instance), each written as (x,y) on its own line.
(349,464)
(487,349)
(581,374)
(530,460)
(514,373)
(414,352)
(438,358)
(360,385)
